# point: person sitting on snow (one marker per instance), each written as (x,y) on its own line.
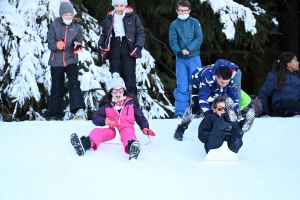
(222,125)
(119,110)
(208,83)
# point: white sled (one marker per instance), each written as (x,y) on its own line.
(221,154)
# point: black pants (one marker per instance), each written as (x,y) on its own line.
(56,103)
(288,108)
(121,62)
(215,138)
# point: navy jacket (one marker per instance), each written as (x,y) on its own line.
(134,30)
(290,90)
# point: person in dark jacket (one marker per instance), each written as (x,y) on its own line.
(122,41)
(208,83)
(185,38)
(119,110)
(222,125)
(283,84)
(65,42)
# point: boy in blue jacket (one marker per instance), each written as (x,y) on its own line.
(185,38)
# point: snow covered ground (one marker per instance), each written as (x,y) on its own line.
(37,161)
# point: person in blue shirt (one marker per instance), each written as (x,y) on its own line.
(185,39)
(283,85)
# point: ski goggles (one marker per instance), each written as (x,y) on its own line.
(220,108)
(115,91)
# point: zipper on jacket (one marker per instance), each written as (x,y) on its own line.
(64,52)
(52,56)
(185,32)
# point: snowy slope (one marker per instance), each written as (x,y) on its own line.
(37,161)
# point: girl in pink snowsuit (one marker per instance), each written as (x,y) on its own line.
(119,110)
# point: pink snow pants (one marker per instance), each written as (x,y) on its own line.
(99,135)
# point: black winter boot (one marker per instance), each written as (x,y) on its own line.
(133,148)
(179,132)
(82,144)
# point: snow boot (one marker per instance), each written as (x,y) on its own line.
(80,115)
(134,149)
(230,115)
(249,119)
(178,135)
(82,144)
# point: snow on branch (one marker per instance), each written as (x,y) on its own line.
(231,12)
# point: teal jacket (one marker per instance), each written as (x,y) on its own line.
(186,34)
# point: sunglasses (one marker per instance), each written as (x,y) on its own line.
(115,91)
(220,108)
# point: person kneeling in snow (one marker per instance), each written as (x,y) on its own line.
(119,110)
(222,125)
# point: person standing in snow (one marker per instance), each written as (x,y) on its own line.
(283,84)
(119,110)
(122,41)
(208,83)
(185,39)
(64,42)
(222,125)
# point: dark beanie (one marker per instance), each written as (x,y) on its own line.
(65,7)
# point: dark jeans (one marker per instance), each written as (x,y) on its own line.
(56,103)
(215,138)
(288,108)
(121,62)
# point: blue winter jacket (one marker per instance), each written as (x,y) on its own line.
(204,82)
(290,90)
(186,34)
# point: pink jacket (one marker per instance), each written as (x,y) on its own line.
(129,114)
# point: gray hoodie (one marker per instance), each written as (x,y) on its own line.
(70,35)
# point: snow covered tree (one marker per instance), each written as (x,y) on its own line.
(25,79)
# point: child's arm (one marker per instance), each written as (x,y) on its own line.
(99,117)
(52,40)
(140,118)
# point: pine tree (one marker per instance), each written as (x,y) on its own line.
(25,79)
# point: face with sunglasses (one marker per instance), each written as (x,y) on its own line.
(220,109)
(117,92)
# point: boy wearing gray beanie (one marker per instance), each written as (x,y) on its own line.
(64,41)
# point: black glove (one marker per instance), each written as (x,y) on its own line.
(195,105)
(136,52)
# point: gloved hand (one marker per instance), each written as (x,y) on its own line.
(60,45)
(136,52)
(148,131)
(111,123)
(180,54)
(103,51)
(77,47)
(195,105)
